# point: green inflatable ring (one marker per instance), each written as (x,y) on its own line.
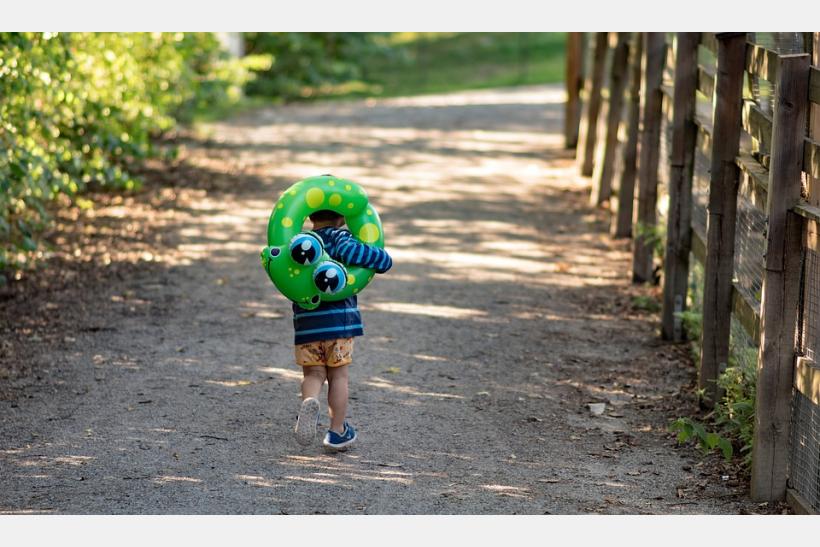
(295,260)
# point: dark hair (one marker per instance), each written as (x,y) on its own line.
(325,215)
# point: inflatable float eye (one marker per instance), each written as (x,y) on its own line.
(330,277)
(305,249)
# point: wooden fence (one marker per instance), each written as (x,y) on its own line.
(716,132)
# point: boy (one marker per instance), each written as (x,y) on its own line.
(324,336)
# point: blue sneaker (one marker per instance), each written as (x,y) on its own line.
(334,441)
(306,421)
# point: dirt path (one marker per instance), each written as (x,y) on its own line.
(507,312)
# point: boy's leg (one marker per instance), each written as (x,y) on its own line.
(313,378)
(337,392)
(312,381)
(310,357)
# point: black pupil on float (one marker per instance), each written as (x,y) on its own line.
(304,252)
(327,283)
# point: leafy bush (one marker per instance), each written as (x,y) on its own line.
(735,414)
(733,417)
(687,429)
(299,62)
(646,303)
(77,108)
(654,236)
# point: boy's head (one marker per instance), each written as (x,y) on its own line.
(325,217)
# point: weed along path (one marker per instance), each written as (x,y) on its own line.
(165,383)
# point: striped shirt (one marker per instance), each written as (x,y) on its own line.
(340,319)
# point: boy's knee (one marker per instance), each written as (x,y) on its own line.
(317,372)
(334,373)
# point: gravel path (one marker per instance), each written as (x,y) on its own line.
(507,311)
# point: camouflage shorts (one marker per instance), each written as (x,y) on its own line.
(331,353)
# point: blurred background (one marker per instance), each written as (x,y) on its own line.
(78,111)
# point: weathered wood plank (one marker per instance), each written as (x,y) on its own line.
(762,62)
(781,284)
(758,124)
(808,211)
(642,256)
(811,157)
(807,379)
(706,81)
(703,119)
(814,85)
(602,173)
(622,220)
(681,169)
(722,208)
(588,133)
(669,67)
(798,503)
(708,40)
(755,183)
(574,83)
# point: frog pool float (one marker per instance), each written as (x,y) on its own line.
(295,260)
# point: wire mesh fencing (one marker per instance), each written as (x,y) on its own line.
(750,246)
(700,188)
(804,464)
(808,332)
(804,467)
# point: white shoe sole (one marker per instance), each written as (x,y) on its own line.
(306,422)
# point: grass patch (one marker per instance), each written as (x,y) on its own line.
(224,111)
(420,63)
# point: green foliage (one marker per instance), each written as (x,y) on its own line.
(300,62)
(435,62)
(653,235)
(733,416)
(708,441)
(301,65)
(646,303)
(736,412)
(76,109)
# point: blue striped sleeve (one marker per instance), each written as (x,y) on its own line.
(353,253)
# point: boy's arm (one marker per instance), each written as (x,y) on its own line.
(354,253)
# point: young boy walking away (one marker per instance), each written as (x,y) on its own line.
(324,336)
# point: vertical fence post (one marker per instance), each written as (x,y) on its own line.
(653,62)
(781,283)
(722,208)
(602,178)
(589,124)
(574,82)
(682,161)
(622,221)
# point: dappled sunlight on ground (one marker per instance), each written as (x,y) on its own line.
(506,313)
(425,309)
